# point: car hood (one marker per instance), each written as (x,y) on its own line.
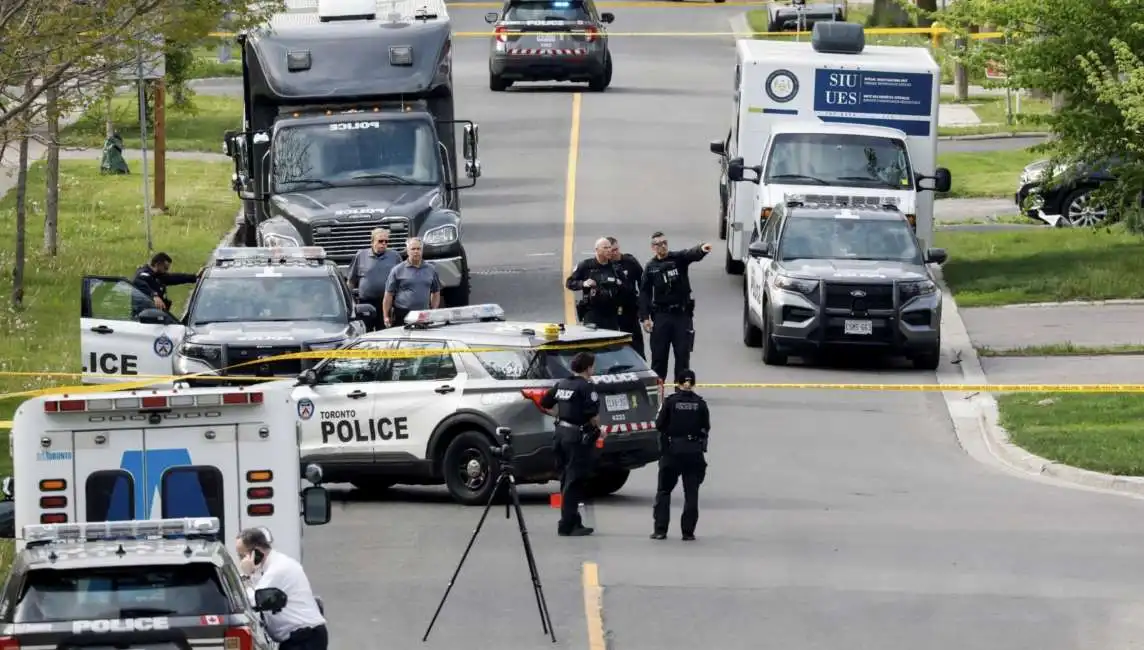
(359,202)
(854,270)
(264,333)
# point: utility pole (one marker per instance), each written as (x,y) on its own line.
(142,82)
(161,144)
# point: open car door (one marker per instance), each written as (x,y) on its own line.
(123,337)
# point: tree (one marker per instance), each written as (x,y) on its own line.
(1082,52)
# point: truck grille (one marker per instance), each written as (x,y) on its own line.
(342,240)
(878,296)
(236,354)
(852,201)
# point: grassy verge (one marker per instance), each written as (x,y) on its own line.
(1062,350)
(985,174)
(991,111)
(199,129)
(987,269)
(1093,431)
(207,65)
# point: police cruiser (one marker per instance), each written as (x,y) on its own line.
(425,408)
(249,304)
(546,40)
(131,584)
(228,453)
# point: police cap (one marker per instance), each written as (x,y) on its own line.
(685,376)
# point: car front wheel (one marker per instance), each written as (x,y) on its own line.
(1081,210)
(469,469)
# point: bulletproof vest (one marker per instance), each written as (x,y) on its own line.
(607,282)
(665,279)
(570,400)
(686,418)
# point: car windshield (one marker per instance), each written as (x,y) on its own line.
(253,299)
(848,238)
(556,11)
(839,159)
(120,592)
(367,152)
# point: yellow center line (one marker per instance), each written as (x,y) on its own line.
(594,606)
(570,207)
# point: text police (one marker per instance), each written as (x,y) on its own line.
(110,363)
(121,625)
(346,426)
(354,126)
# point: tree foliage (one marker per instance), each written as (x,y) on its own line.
(1082,50)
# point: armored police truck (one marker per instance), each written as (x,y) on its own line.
(349,127)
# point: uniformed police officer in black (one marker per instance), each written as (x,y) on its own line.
(666,307)
(577,407)
(630,271)
(602,287)
(152,281)
(683,423)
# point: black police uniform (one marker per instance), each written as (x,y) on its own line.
(600,305)
(630,274)
(683,423)
(152,284)
(665,297)
(576,403)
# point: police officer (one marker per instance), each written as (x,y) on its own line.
(666,307)
(152,281)
(683,423)
(630,271)
(602,288)
(577,407)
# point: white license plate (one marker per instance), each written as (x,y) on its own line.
(546,39)
(858,327)
(616,402)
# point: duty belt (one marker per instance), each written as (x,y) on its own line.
(687,438)
(671,308)
(566,423)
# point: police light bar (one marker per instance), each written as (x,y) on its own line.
(454,315)
(266,255)
(136,402)
(108,530)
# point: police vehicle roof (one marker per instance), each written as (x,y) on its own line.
(508,333)
(826,211)
(78,555)
(288,269)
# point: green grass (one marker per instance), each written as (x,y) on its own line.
(1099,432)
(200,129)
(991,110)
(987,269)
(985,174)
(207,65)
(101,233)
(1062,350)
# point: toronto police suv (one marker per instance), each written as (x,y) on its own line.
(550,40)
(821,276)
(163,583)
(249,304)
(423,403)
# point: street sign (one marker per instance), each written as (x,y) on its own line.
(993,71)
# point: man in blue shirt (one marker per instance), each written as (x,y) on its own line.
(369,270)
(412,285)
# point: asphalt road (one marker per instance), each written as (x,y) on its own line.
(831,520)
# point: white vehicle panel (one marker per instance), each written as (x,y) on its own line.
(187,470)
(114,348)
(104,472)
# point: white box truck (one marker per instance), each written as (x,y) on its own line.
(830,121)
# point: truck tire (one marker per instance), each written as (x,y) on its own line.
(497,83)
(731,266)
(752,336)
(469,469)
(722,215)
(607,482)
(771,354)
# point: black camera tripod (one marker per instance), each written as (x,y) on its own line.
(507,481)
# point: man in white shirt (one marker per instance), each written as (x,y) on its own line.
(300,625)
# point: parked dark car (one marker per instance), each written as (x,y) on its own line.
(1063,198)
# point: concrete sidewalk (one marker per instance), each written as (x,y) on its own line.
(1084,324)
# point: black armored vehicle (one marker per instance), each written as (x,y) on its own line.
(350,127)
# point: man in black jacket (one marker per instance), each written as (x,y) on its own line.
(666,307)
(630,273)
(599,280)
(152,280)
(684,423)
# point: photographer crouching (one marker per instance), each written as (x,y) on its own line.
(577,428)
(603,289)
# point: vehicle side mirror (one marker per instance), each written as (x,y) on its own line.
(269,599)
(154,316)
(307,378)
(607,17)
(364,312)
(315,506)
(735,169)
(228,143)
(936,256)
(469,143)
(718,148)
(314,473)
(491,17)
(941,180)
(759,249)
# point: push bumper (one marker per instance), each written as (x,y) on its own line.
(800,325)
(548,64)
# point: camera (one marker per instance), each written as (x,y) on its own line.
(504,450)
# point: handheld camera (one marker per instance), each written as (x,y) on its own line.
(503,452)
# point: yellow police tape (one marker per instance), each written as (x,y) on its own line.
(876,31)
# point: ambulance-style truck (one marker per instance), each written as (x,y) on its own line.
(830,121)
(228,453)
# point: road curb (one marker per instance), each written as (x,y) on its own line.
(1071,303)
(976,415)
(996,136)
(740,26)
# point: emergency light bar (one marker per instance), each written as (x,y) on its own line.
(454,315)
(233,397)
(116,530)
(268,255)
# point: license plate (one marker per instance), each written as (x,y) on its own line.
(616,402)
(546,39)
(863,327)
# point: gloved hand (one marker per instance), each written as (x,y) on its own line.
(246,565)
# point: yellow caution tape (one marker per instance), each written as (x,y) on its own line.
(883,31)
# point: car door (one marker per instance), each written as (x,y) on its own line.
(759,267)
(335,414)
(420,391)
(114,346)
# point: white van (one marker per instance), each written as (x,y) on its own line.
(831,121)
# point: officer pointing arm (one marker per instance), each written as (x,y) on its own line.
(666,307)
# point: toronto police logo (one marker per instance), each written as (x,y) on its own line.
(163,346)
(782,86)
(305,409)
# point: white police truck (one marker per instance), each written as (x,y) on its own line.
(227,453)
